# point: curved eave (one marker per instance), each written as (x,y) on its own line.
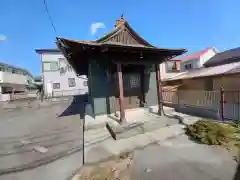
(78,52)
(68,46)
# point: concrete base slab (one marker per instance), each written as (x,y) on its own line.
(147,124)
(111,148)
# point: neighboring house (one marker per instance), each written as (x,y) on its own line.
(202,86)
(196,60)
(13,79)
(170,69)
(59,78)
(222,70)
(180,65)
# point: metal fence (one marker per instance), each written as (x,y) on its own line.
(226,103)
(66,93)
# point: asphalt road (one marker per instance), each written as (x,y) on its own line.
(58,129)
(32,138)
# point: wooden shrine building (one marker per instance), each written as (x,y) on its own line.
(122,69)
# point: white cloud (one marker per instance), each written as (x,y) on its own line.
(3,37)
(96,26)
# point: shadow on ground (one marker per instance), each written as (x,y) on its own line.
(79,105)
(237,174)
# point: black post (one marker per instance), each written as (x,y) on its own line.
(83,143)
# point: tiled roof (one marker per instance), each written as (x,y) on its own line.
(210,71)
(120,44)
(229,56)
(193,56)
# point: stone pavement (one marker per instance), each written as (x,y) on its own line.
(112,148)
(182,159)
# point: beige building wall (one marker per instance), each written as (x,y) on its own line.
(193,84)
(230,82)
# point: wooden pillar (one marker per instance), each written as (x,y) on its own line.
(159,89)
(121,96)
(142,84)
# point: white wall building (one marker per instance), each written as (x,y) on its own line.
(197,59)
(170,69)
(59,78)
(181,65)
(13,80)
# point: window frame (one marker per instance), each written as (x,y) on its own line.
(172,68)
(134,81)
(85,85)
(71,82)
(188,66)
(2,69)
(50,62)
(54,87)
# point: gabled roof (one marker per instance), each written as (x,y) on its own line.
(124,34)
(210,71)
(195,55)
(229,56)
(123,40)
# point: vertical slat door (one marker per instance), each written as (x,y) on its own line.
(132,91)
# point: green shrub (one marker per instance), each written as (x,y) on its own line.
(210,132)
(236,124)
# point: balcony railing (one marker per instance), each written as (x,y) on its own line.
(10,78)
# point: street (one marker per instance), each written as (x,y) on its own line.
(33,138)
(46,143)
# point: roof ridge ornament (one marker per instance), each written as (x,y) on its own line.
(119,22)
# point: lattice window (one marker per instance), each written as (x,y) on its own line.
(134,81)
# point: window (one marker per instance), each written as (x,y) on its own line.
(134,81)
(63,63)
(61,60)
(71,82)
(50,66)
(56,85)
(85,83)
(69,68)
(171,66)
(9,70)
(14,71)
(2,69)
(188,66)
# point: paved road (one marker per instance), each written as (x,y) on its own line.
(28,138)
(181,159)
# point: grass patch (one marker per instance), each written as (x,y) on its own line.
(217,133)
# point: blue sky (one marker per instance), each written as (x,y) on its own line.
(191,24)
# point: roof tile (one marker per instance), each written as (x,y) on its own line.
(193,56)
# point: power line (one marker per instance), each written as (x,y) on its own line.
(49,16)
